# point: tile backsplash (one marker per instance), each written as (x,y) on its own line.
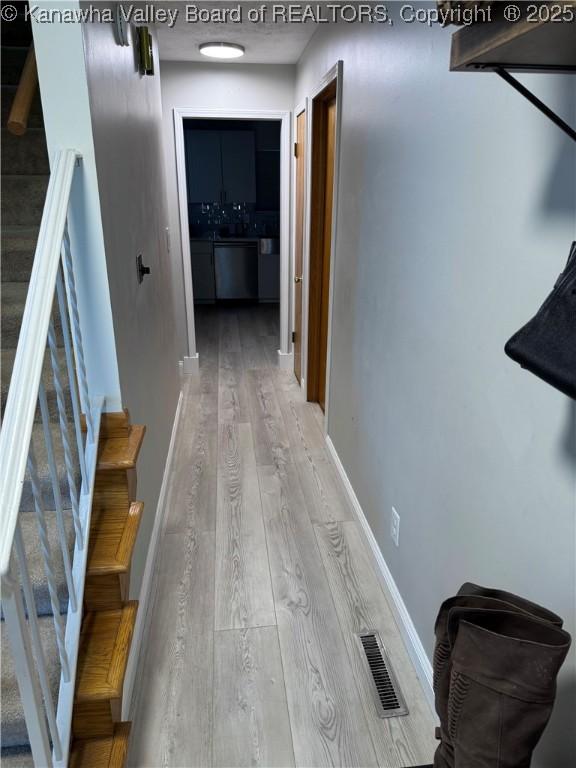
(231,220)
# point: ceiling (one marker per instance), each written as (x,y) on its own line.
(266,42)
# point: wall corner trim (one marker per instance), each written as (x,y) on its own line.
(412,641)
(146,597)
(191,365)
(286,360)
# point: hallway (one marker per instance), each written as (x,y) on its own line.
(250,656)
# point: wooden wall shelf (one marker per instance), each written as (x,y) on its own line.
(522,46)
(542,40)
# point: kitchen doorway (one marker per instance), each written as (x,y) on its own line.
(322,209)
(233,175)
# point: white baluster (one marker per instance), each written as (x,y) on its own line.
(36,642)
(65,434)
(24,667)
(57,495)
(77,332)
(62,306)
(48,565)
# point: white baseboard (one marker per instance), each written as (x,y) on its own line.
(286,360)
(148,578)
(410,636)
(191,365)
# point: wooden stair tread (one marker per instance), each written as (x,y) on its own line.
(121,452)
(112,537)
(104,646)
(103,752)
(112,423)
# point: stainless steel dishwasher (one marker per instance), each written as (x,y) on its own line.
(236,270)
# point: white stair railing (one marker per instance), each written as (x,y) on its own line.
(51,297)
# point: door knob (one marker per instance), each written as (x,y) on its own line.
(297,279)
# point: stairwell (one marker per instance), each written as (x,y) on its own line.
(99,738)
(25,173)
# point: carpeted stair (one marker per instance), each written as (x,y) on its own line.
(25,172)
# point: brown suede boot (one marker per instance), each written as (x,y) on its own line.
(503,685)
(469,596)
(509,597)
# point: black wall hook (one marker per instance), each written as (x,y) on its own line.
(141,269)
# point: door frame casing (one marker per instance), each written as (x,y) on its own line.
(301,107)
(182,113)
(335,73)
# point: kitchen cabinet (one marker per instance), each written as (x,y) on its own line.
(203,166)
(268,180)
(267,136)
(238,166)
(220,166)
(203,275)
(267,165)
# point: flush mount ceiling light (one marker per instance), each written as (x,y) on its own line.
(222,50)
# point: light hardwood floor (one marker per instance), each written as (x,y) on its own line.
(263,580)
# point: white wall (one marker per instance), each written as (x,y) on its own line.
(67,123)
(457,208)
(127,129)
(212,86)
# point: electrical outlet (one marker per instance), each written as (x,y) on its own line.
(395,527)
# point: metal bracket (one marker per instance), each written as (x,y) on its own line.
(517,85)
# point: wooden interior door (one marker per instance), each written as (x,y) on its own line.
(330,136)
(299,239)
(323,157)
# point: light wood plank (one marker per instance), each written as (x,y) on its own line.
(361,606)
(270,437)
(243,589)
(232,395)
(256,356)
(207,324)
(191,500)
(256,347)
(319,415)
(323,492)
(328,723)
(230,351)
(251,723)
(305,436)
(268,318)
(173,717)
(260,355)
(286,381)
